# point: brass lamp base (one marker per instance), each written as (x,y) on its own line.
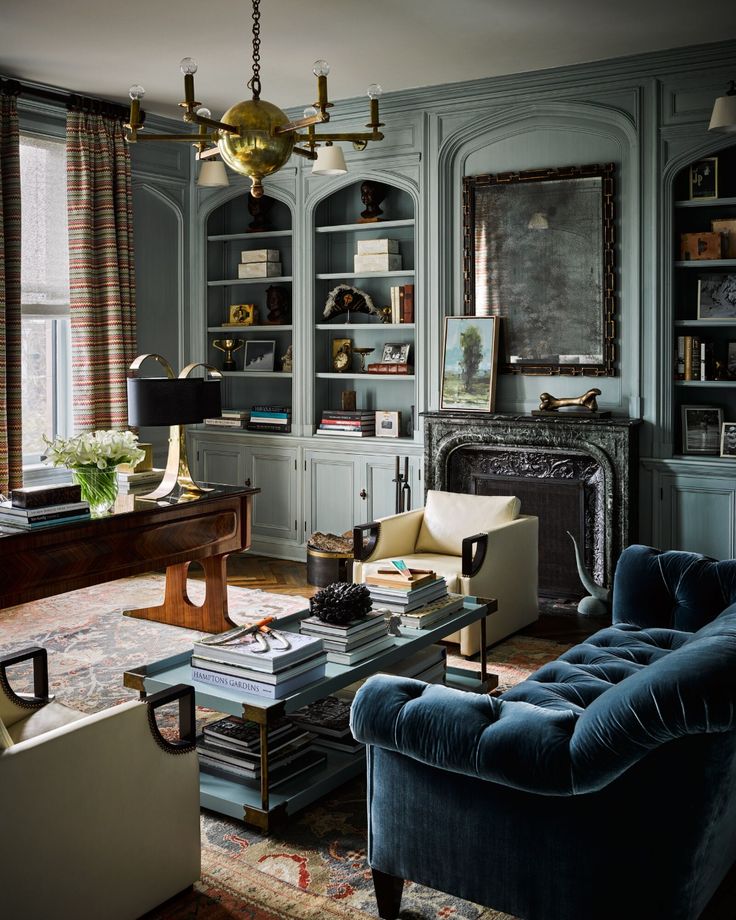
(177,471)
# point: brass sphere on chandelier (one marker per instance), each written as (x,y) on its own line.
(255,151)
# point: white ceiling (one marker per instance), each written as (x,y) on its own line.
(100,48)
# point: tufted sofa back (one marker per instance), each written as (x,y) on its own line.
(674,590)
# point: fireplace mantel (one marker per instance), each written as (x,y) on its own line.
(612,443)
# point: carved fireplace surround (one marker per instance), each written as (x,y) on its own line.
(575,473)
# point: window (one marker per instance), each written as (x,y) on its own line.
(46,334)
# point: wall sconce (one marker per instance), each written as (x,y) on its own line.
(176,402)
(724,112)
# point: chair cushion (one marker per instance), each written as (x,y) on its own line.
(52,715)
(449,517)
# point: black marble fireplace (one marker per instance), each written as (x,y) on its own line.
(574,473)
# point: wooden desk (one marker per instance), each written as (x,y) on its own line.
(137,537)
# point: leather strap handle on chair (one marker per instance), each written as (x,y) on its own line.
(39,657)
(472,563)
(187,725)
(362,551)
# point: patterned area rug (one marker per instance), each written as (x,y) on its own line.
(315,867)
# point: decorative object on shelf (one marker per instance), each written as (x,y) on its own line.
(377,256)
(228,346)
(341,354)
(469,363)
(395,353)
(93,458)
(242,314)
(598,603)
(176,402)
(385,313)
(723,116)
(704,178)
(389,367)
(586,403)
(539,250)
(388,424)
(259,263)
(362,353)
(287,361)
(255,138)
(701,246)
(258,209)
(260,355)
(278,304)
(341,603)
(727,229)
(731,361)
(371,194)
(348,401)
(347,299)
(717,296)
(701,429)
(728,439)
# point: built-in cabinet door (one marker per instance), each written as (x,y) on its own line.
(698,515)
(274,470)
(331,490)
(378,495)
(220,463)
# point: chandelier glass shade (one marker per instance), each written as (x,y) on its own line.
(256,138)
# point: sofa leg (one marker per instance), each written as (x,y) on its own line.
(388,890)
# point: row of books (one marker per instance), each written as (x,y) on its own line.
(402,303)
(143,481)
(694,359)
(386,367)
(359,424)
(352,642)
(270,418)
(229,418)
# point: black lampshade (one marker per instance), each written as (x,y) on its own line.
(212,403)
(163,401)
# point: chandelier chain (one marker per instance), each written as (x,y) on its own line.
(255,81)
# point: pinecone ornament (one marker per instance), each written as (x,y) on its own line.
(340,603)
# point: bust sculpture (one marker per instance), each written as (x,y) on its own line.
(277,304)
(372,194)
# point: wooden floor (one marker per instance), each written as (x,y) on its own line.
(284,577)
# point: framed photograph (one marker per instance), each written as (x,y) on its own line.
(469,363)
(394,353)
(701,429)
(242,314)
(717,296)
(259,355)
(388,424)
(704,178)
(728,439)
(539,253)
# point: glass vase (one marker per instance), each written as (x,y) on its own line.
(99,488)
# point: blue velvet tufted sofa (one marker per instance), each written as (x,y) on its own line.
(602,787)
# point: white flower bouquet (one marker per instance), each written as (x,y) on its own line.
(100,449)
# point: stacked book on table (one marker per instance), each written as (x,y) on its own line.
(345,422)
(428,664)
(329,720)
(353,641)
(144,481)
(231,747)
(229,418)
(421,599)
(232,660)
(37,507)
(270,418)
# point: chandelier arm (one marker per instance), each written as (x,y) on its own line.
(185,138)
(308,154)
(318,119)
(357,136)
(193,118)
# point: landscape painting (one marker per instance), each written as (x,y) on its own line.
(469,366)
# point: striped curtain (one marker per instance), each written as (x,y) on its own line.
(101,273)
(11,441)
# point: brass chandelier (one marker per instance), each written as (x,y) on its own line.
(255,138)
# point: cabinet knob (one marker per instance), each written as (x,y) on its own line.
(247,482)
(363,494)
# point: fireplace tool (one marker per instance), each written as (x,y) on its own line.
(403,489)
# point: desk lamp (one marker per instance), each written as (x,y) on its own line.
(176,402)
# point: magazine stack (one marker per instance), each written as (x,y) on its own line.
(351,642)
(329,720)
(237,660)
(231,748)
(421,599)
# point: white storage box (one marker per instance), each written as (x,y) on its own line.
(259,269)
(259,255)
(371,247)
(378,262)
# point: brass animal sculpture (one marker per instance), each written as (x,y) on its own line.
(549,403)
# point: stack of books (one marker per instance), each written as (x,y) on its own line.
(145,481)
(231,747)
(402,303)
(351,642)
(345,422)
(44,506)
(270,418)
(428,664)
(329,720)
(420,600)
(229,418)
(231,660)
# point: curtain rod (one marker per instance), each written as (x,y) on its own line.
(74,101)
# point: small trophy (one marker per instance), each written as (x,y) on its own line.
(228,346)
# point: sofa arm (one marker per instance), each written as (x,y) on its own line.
(393,536)
(473,554)
(518,745)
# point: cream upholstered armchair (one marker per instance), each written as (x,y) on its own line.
(100,814)
(481,544)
